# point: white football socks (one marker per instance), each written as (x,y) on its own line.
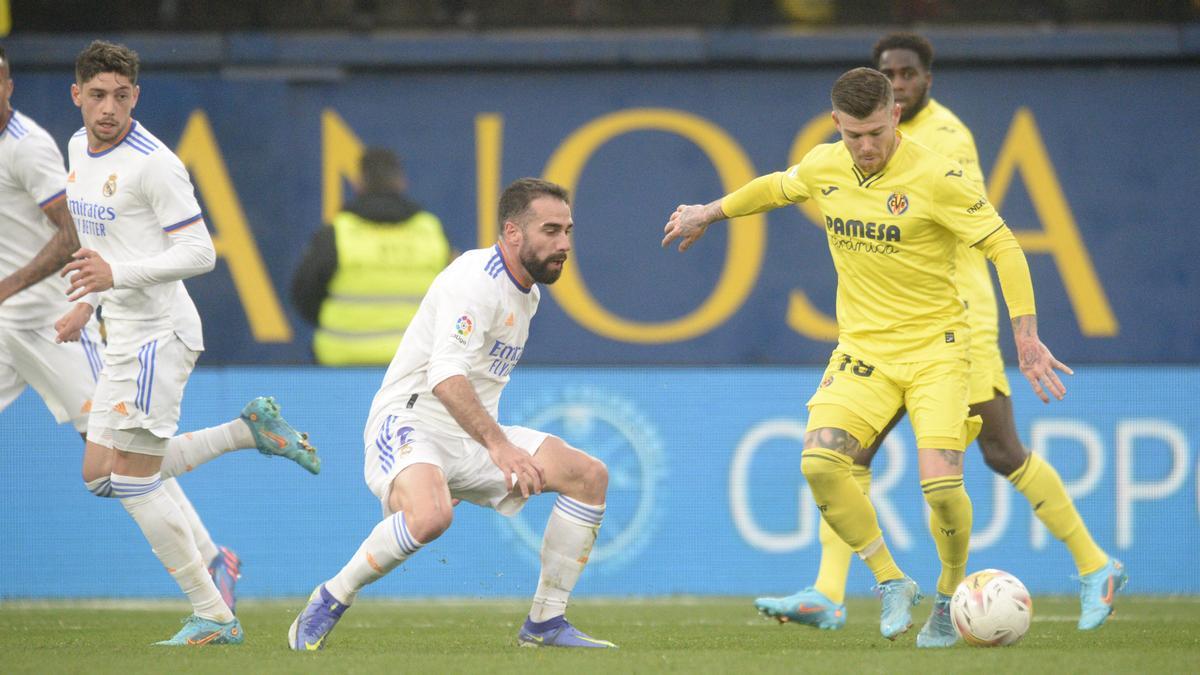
(188,451)
(388,545)
(163,525)
(204,541)
(566,545)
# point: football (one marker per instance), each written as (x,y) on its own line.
(991,608)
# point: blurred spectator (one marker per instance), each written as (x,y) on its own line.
(366,15)
(362,276)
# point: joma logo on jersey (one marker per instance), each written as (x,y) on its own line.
(861,230)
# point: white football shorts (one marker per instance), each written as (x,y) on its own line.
(396,442)
(64,375)
(141,389)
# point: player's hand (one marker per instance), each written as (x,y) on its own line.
(89,272)
(1036,362)
(518,469)
(71,324)
(687,224)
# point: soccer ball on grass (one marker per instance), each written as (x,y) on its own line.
(991,608)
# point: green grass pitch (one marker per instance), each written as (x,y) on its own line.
(683,635)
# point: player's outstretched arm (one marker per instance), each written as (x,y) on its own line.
(689,222)
(1036,362)
(764,193)
(56,253)
(461,400)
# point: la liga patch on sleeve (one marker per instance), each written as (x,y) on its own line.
(463,329)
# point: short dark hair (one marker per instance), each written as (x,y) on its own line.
(381,168)
(517,196)
(909,41)
(106,57)
(860,92)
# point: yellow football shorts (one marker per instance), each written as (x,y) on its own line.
(987,368)
(862,398)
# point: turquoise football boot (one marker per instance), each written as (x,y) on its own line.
(197,631)
(274,436)
(1097,592)
(809,607)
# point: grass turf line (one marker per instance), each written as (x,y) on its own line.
(692,635)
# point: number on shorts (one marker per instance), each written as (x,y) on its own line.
(860,369)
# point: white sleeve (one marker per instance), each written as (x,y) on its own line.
(463,318)
(191,252)
(38,166)
(168,189)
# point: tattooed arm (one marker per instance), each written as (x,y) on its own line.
(56,253)
(1036,361)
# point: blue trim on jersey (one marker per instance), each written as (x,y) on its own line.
(42,204)
(13,124)
(137,134)
(82,131)
(183,223)
(92,354)
(493,265)
(122,139)
(509,272)
(141,146)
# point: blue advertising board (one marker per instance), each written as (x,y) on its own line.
(705,491)
(1086,164)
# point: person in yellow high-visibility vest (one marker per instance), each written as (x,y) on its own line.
(363,275)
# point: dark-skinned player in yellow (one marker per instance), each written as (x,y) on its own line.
(895,212)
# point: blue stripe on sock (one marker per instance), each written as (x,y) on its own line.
(404,540)
(571,508)
(123,490)
(597,510)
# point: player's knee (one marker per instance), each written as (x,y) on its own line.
(1002,454)
(943,497)
(818,469)
(595,475)
(101,486)
(428,523)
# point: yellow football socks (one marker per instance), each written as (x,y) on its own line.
(950,524)
(835,553)
(1042,486)
(847,510)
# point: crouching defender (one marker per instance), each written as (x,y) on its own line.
(432,435)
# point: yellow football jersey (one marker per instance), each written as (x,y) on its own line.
(893,236)
(940,130)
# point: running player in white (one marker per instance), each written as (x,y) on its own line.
(432,435)
(38,239)
(137,216)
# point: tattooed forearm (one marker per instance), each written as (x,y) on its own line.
(56,253)
(837,440)
(1025,326)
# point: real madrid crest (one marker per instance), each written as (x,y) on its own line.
(897,203)
(110,186)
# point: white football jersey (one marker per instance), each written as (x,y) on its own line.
(125,201)
(31,176)
(473,321)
